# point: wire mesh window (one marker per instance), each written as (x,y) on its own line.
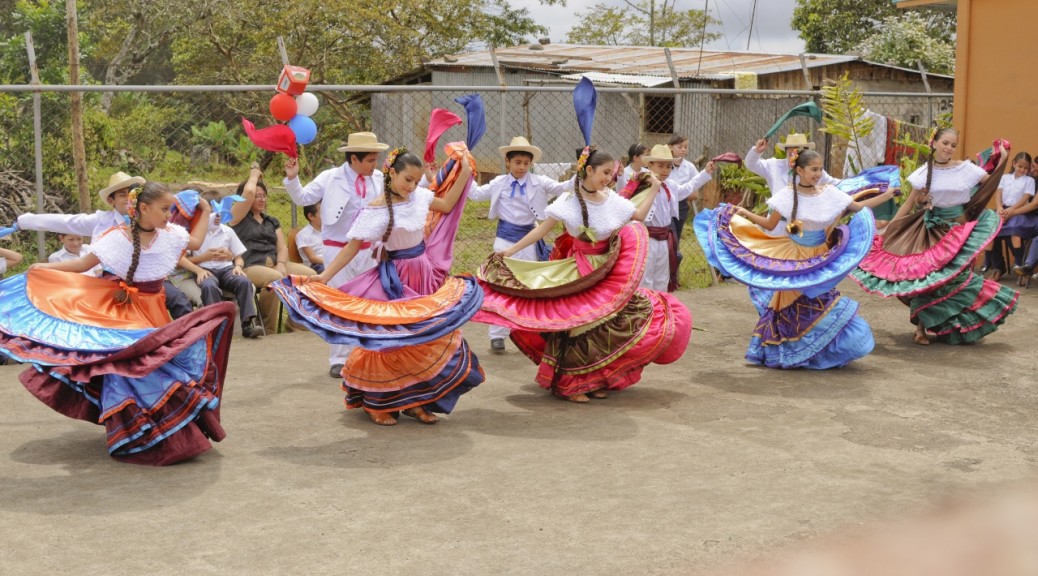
(659,114)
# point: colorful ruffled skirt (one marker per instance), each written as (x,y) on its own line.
(155,385)
(582,318)
(409,352)
(931,270)
(404,318)
(804,321)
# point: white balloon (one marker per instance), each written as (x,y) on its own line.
(307,104)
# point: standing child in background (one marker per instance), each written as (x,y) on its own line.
(685,172)
(635,165)
(1014,199)
(308,240)
(518,200)
(104,350)
(73,248)
(661,265)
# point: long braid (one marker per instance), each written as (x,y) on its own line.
(123,295)
(580,199)
(796,195)
(389,226)
(929,167)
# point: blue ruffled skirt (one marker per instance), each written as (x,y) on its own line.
(804,321)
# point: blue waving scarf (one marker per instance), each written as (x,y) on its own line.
(223,207)
(585,99)
(475,118)
(881,177)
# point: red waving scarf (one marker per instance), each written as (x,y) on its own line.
(277,138)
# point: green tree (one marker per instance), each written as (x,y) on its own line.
(839,26)
(904,40)
(134,36)
(646,23)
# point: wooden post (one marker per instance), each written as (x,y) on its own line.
(502,98)
(678,116)
(37,140)
(76,106)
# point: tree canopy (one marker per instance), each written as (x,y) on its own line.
(840,26)
(904,40)
(642,23)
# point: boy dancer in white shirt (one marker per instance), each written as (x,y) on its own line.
(517,200)
(342,191)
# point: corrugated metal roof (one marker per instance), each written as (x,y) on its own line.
(638,60)
(620,79)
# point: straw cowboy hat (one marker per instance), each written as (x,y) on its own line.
(363,142)
(520,144)
(659,153)
(119,181)
(796,140)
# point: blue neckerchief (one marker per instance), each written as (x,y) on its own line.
(522,189)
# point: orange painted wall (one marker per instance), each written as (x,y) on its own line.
(996,84)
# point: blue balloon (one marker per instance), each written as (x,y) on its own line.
(304,128)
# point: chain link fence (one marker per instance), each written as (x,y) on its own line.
(191,137)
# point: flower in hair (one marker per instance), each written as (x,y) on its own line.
(582,160)
(933,136)
(391,158)
(791,155)
(795,228)
(131,207)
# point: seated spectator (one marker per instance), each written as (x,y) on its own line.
(266,256)
(72,248)
(218,266)
(8,258)
(308,240)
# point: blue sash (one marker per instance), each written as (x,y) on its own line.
(389,276)
(809,238)
(514,233)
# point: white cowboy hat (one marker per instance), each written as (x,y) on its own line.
(520,144)
(119,181)
(659,153)
(796,140)
(363,142)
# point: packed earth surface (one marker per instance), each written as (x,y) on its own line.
(706,461)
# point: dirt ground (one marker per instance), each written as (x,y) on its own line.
(706,461)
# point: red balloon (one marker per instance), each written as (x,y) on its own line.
(283,107)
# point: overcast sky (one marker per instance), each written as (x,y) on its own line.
(771,29)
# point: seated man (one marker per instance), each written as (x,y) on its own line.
(217,266)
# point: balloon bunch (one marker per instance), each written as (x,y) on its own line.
(292,105)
